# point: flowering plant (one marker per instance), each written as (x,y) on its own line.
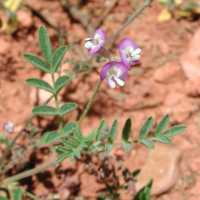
(96,150)
(68,140)
(96,43)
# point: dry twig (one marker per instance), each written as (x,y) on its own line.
(128,21)
(77,15)
(104,15)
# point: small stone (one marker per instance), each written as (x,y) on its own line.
(14,102)
(192,87)
(64,194)
(5,46)
(119,153)
(90,187)
(24,17)
(178,106)
(162,167)
(190,60)
(167,72)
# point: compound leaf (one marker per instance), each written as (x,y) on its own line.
(38,83)
(37,62)
(45,44)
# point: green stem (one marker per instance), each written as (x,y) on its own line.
(30,172)
(55,95)
(90,102)
(61,120)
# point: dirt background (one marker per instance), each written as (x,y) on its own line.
(166,82)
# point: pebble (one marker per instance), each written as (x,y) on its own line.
(162,167)
(190,60)
(25,18)
(166,73)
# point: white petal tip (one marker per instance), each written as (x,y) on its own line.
(88,45)
(111,83)
(120,82)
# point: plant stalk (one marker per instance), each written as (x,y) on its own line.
(90,102)
(55,95)
(129,20)
(30,172)
(61,120)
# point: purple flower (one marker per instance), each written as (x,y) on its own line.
(95,44)
(115,73)
(8,127)
(129,52)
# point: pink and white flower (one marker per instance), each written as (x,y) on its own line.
(130,52)
(95,44)
(115,73)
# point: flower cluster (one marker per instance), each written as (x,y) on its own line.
(115,72)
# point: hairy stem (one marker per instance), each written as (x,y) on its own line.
(129,20)
(61,120)
(90,102)
(56,95)
(30,172)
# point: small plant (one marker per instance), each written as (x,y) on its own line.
(95,150)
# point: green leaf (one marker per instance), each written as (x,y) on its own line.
(4,140)
(108,147)
(127,145)
(71,148)
(145,192)
(58,57)
(175,130)
(113,131)
(147,142)
(17,194)
(69,128)
(102,127)
(163,139)
(54,136)
(3,198)
(40,84)
(37,62)
(61,82)
(90,138)
(78,133)
(71,143)
(135,173)
(49,137)
(45,44)
(61,156)
(146,128)
(162,125)
(126,130)
(68,107)
(44,110)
